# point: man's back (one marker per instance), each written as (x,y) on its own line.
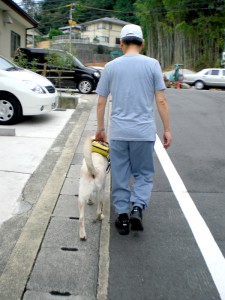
(132,81)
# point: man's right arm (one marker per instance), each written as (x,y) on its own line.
(100,134)
(163,110)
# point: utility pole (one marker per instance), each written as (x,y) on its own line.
(71,23)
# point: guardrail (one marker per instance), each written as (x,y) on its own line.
(65,39)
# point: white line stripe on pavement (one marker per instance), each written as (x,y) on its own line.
(211,253)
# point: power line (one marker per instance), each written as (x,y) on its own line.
(157,10)
(197,6)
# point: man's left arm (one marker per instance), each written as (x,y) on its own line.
(163,110)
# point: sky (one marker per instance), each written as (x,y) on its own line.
(19,2)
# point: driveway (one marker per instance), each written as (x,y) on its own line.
(21,154)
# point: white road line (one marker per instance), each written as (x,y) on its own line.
(211,253)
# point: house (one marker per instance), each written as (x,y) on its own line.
(30,36)
(76,29)
(14,24)
(105,30)
(92,41)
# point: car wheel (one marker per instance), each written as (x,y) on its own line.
(85,86)
(199,85)
(10,110)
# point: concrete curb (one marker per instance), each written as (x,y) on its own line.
(68,101)
(19,266)
(7,131)
(104,259)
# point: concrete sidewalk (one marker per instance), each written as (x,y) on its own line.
(49,262)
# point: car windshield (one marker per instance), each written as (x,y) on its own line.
(77,62)
(6,65)
(65,58)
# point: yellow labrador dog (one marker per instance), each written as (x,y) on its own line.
(92,182)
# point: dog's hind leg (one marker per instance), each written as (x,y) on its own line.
(100,197)
(82,232)
(83,198)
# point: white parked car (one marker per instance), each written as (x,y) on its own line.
(23,93)
(206,78)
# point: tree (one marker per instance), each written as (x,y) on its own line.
(126,11)
(53,14)
(183,31)
(88,10)
(176,31)
(31,7)
(54,32)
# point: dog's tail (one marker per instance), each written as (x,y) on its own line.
(88,156)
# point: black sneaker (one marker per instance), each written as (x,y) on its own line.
(136,219)
(122,224)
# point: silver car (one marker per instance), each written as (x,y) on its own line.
(206,78)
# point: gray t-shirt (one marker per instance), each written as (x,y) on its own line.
(132,81)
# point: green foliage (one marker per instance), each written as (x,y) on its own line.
(30,7)
(54,32)
(88,10)
(192,29)
(184,27)
(102,49)
(58,62)
(189,30)
(53,14)
(126,11)
(20,59)
(34,64)
(38,39)
(202,62)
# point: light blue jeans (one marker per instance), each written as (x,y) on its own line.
(131,159)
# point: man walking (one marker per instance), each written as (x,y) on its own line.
(134,81)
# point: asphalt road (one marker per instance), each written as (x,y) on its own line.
(180,254)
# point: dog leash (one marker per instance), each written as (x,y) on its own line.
(109,165)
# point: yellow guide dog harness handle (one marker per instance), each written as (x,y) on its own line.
(103,149)
(100,147)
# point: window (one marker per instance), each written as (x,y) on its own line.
(104,39)
(101,26)
(223,72)
(215,72)
(117,41)
(15,42)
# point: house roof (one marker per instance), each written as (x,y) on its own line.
(68,27)
(20,11)
(108,20)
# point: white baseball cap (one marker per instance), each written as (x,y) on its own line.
(131,30)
